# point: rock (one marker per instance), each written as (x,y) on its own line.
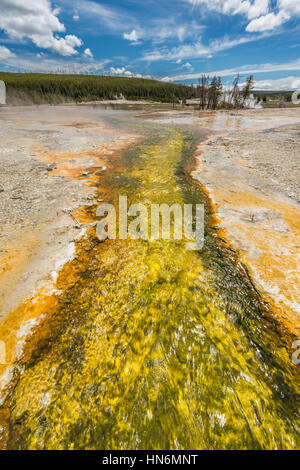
(51,166)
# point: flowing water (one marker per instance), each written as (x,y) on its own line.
(155,346)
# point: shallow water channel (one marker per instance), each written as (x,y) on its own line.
(155,346)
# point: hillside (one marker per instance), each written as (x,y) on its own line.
(43,88)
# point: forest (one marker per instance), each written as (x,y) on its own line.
(49,88)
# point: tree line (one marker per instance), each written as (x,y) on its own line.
(51,88)
(44,87)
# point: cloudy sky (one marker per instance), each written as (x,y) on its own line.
(175,40)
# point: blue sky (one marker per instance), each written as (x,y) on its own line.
(172,40)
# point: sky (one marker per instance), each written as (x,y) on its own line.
(170,40)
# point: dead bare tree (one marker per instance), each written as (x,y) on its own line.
(209,92)
(235,97)
(214,93)
(246,91)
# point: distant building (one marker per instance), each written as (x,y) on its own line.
(2,92)
(273,96)
(192,102)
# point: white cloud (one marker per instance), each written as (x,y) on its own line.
(123,72)
(87,52)
(198,49)
(188,66)
(185,51)
(181,33)
(287,83)
(38,21)
(109,18)
(115,20)
(289,6)
(168,29)
(33,63)
(243,70)
(267,22)
(75,17)
(133,36)
(264,14)
(120,71)
(257,8)
(287,10)
(63,46)
(5,53)
(250,8)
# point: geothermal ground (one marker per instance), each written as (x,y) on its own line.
(52,161)
(252,176)
(50,157)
